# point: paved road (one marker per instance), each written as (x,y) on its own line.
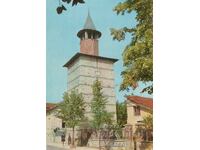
(55,148)
(50,147)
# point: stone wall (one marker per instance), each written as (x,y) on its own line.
(85,71)
(52,122)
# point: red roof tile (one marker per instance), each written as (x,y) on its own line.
(147,102)
(50,106)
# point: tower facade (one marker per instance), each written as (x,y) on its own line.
(86,66)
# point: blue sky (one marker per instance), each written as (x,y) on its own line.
(62,42)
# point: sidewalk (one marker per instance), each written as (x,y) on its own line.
(59,145)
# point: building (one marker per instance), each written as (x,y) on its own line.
(86,66)
(138,108)
(83,69)
(52,122)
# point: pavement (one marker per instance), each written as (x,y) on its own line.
(61,147)
(49,147)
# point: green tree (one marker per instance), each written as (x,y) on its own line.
(148,122)
(138,55)
(145,130)
(98,108)
(121,114)
(72,110)
(148,125)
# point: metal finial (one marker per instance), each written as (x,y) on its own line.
(88,12)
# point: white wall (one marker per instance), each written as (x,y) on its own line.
(85,71)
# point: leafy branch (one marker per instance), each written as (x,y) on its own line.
(62,8)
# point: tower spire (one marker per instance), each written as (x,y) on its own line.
(88,11)
(89,37)
(89,23)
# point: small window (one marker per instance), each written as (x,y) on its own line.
(63,124)
(137,110)
(89,35)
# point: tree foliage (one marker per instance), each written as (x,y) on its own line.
(74,2)
(61,7)
(121,114)
(138,55)
(98,107)
(72,110)
(148,122)
(148,126)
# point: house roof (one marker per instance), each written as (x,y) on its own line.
(77,55)
(50,106)
(144,101)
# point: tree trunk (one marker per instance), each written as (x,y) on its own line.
(99,140)
(73,136)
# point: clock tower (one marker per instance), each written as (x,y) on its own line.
(86,66)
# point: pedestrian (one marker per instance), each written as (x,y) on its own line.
(69,139)
(63,139)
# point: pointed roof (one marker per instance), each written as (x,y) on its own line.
(89,27)
(89,23)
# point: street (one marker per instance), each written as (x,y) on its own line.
(55,148)
(51,147)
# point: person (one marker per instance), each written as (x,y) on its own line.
(63,139)
(69,139)
(113,136)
